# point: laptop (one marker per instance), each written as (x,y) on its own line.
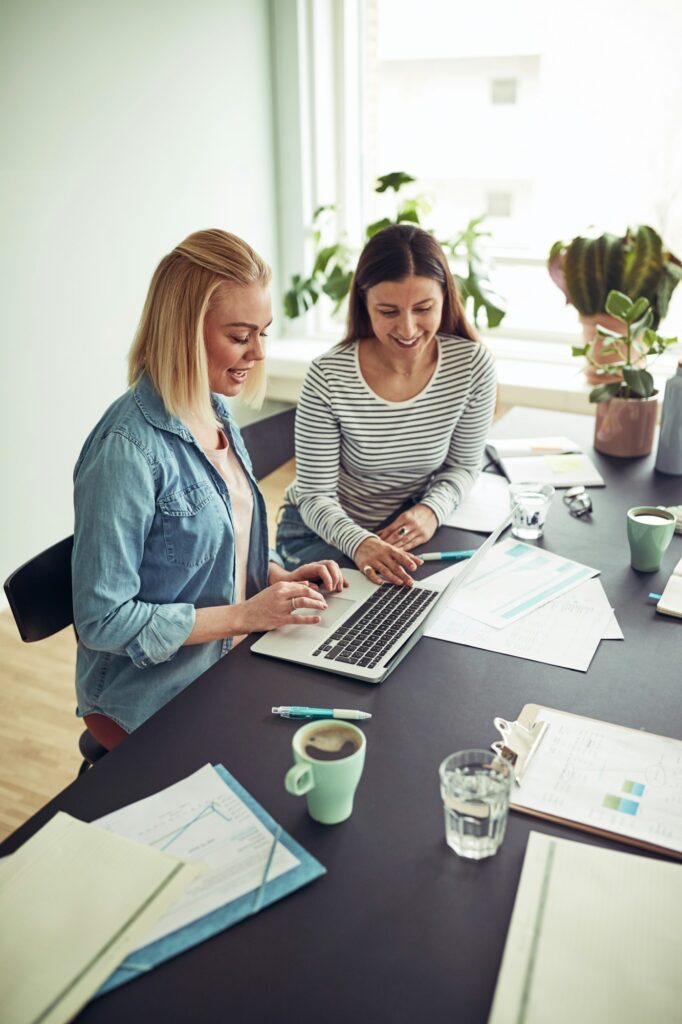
(368,629)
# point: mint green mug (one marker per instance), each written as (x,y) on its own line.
(329,756)
(650,530)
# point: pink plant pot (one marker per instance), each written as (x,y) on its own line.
(625,427)
(596,346)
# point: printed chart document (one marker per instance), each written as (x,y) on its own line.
(249,862)
(547,460)
(485,505)
(513,580)
(74,900)
(565,632)
(604,777)
(594,938)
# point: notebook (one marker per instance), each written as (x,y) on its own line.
(670,602)
(547,460)
(368,629)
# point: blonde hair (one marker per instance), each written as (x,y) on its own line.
(169,341)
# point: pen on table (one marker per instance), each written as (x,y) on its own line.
(446,556)
(345,713)
(655,597)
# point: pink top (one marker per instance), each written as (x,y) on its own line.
(225,462)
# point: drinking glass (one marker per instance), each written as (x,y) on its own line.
(475,787)
(529,506)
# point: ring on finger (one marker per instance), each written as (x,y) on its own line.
(367,569)
(293,604)
(403,531)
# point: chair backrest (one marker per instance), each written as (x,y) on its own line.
(39,592)
(270,441)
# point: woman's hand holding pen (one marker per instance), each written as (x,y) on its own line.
(385,563)
(411,528)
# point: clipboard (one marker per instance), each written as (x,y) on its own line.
(660,781)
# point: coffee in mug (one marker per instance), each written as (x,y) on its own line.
(329,756)
(650,531)
(330,742)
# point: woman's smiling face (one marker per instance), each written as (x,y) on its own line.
(405,315)
(234,328)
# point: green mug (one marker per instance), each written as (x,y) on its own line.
(650,530)
(329,756)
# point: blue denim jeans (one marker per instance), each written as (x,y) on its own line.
(297,544)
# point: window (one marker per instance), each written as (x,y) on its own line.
(542,117)
(548,119)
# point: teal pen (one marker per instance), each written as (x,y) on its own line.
(446,556)
(344,713)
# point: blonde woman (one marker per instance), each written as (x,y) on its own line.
(170,561)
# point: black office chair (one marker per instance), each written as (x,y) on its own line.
(39,592)
(39,595)
(270,441)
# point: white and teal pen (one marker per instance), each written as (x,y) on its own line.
(294,712)
(446,556)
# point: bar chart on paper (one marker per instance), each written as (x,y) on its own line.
(614,780)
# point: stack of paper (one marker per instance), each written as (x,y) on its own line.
(74,900)
(529,603)
(594,937)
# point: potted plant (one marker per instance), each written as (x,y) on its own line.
(627,405)
(587,270)
(334,260)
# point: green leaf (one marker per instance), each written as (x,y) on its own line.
(640,382)
(373,229)
(618,304)
(579,350)
(643,324)
(395,180)
(604,332)
(323,258)
(639,308)
(604,392)
(337,284)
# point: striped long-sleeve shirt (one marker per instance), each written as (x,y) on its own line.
(359,457)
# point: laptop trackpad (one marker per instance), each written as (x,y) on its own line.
(309,637)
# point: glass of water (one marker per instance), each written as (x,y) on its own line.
(475,787)
(529,505)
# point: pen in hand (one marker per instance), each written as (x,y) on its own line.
(298,712)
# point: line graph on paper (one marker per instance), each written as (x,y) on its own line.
(607,778)
(202,819)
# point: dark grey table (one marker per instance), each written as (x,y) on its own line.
(400,929)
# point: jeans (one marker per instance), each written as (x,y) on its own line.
(297,544)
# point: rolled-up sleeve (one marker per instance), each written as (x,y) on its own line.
(114,504)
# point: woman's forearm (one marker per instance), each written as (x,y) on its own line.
(217,623)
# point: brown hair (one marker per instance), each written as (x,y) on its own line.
(397,252)
(169,343)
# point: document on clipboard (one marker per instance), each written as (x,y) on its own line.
(621,783)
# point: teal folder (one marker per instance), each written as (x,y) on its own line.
(308,869)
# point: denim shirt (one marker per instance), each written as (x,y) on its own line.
(153,540)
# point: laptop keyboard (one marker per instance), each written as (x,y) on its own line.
(375,626)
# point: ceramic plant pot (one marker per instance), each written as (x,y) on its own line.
(625,427)
(596,345)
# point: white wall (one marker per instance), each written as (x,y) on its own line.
(126,126)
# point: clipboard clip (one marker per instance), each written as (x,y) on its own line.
(518,744)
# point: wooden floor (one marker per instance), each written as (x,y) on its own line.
(38,727)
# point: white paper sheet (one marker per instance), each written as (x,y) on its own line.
(565,632)
(201,819)
(618,780)
(594,938)
(485,505)
(515,579)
